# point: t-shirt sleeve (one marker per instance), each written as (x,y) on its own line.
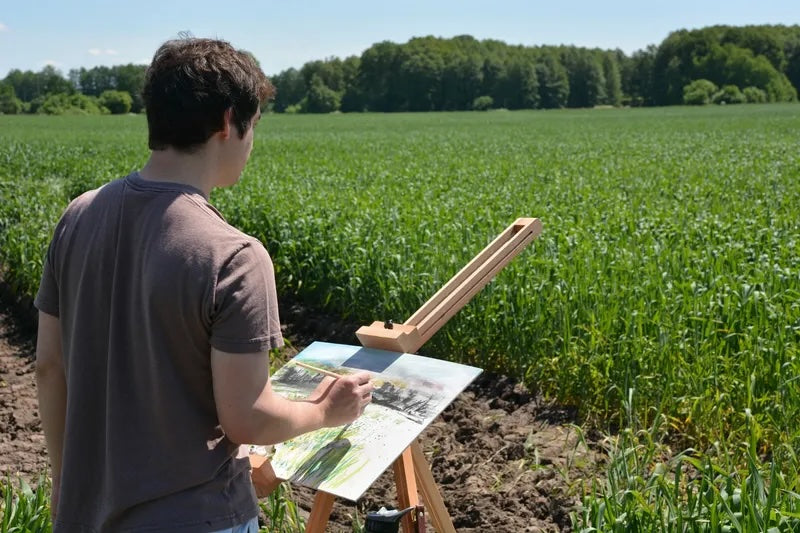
(47,297)
(245,315)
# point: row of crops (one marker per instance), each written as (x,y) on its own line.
(663,296)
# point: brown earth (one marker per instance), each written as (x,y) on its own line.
(503,459)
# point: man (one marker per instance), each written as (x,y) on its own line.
(156,317)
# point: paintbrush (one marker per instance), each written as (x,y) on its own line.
(313,368)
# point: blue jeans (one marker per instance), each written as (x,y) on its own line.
(250,526)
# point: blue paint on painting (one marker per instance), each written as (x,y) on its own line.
(372,360)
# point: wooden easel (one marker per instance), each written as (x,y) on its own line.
(411,470)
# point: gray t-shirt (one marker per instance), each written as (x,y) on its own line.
(145,278)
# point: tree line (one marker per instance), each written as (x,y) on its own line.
(716,64)
(101,89)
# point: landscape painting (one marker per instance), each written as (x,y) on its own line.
(410,391)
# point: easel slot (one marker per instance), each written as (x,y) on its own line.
(473,277)
(471,286)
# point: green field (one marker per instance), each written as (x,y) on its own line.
(663,296)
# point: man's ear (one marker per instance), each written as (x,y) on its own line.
(227,123)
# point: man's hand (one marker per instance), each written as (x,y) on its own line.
(250,412)
(344,399)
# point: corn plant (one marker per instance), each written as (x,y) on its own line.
(281,511)
(24,510)
(648,488)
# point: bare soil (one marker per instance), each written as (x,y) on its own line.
(503,459)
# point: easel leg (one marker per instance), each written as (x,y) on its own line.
(434,504)
(406,487)
(320,512)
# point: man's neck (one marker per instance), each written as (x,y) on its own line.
(198,169)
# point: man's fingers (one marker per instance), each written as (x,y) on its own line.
(365,401)
(362,378)
(364,390)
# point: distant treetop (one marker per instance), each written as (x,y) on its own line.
(742,63)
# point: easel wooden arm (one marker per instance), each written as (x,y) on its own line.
(422,325)
(411,469)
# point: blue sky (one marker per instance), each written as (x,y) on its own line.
(85,33)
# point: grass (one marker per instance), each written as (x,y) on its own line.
(24,510)
(647,487)
(669,263)
(281,512)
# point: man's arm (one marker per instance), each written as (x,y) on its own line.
(51,385)
(250,412)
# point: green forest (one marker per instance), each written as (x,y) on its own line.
(712,65)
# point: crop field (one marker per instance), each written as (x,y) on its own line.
(662,298)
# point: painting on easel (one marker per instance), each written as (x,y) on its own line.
(410,391)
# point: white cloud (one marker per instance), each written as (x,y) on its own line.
(3,27)
(102,52)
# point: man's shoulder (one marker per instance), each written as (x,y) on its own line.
(100,192)
(87,199)
(194,224)
(204,222)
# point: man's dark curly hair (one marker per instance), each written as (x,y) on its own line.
(189,86)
